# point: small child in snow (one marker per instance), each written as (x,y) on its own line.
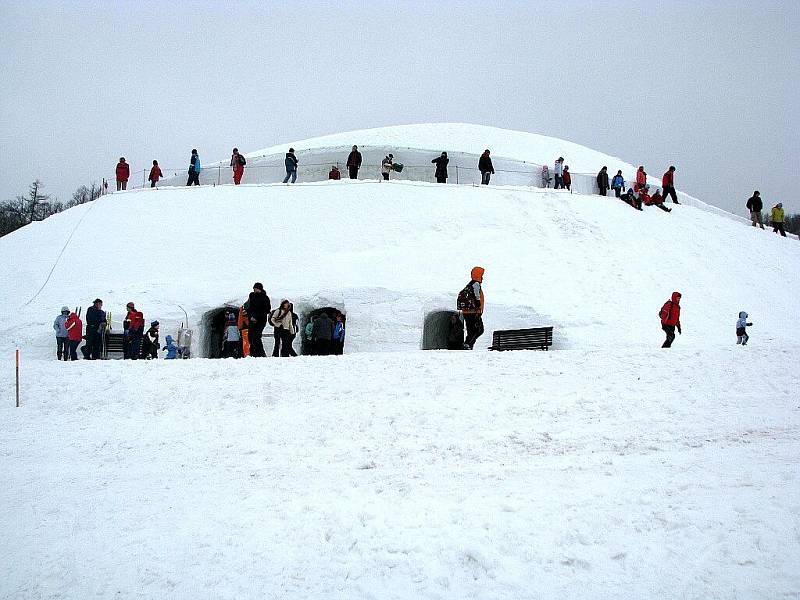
(171,348)
(230,338)
(741,331)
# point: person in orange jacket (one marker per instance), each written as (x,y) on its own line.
(641,179)
(670,315)
(243,323)
(473,309)
(155,174)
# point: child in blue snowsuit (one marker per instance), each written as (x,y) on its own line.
(741,331)
(171,348)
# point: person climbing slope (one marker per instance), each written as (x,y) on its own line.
(671,318)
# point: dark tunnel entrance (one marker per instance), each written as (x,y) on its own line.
(443,330)
(215,321)
(311,345)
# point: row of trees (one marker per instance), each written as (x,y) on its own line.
(36,206)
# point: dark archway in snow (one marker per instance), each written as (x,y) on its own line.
(307,347)
(437,327)
(213,328)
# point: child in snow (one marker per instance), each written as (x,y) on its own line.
(741,331)
(230,338)
(171,348)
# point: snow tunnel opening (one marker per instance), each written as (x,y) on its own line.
(213,328)
(443,330)
(311,346)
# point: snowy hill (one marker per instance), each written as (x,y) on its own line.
(608,468)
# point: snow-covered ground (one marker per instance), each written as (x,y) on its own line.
(572,474)
(607,468)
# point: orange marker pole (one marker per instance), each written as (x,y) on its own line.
(17,377)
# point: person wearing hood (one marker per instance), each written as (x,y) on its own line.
(123,173)
(62,335)
(285,328)
(354,162)
(602,181)
(238,162)
(485,167)
(441,163)
(291,166)
(334,174)
(171,348)
(74,327)
(322,332)
(755,206)
(641,179)
(473,315)
(258,309)
(741,329)
(231,338)
(386,166)
(194,168)
(671,318)
(632,198)
(777,217)
(618,184)
(155,174)
(150,342)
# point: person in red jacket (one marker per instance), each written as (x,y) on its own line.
(668,183)
(123,174)
(671,318)
(155,174)
(133,326)
(238,162)
(655,200)
(641,179)
(74,327)
(334,173)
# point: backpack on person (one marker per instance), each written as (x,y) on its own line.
(665,311)
(242,160)
(398,167)
(466,300)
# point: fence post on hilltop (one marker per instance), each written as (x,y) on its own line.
(144,172)
(456,174)
(17,377)
(219,174)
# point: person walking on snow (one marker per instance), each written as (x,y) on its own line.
(602,181)
(133,326)
(671,318)
(567,178)
(470,303)
(194,168)
(291,166)
(668,183)
(230,338)
(258,309)
(354,162)
(155,174)
(618,184)
(641,179)
(741,329)
(777,218)
(485,167)
(558,173)
(123,173)
(546,176)
(386,166)
(755,206)
(62,335)
(238,162)
(281,320)
(75,333)
(441,163)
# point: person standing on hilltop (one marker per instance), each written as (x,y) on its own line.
(777,218)
(123,173)
(567,178)
(237,164)
(441,163)
(485,167)
(755,206)
(354,162)
(155,174)
(546,179)
(668,183)
(671,318)
(291,166)
(194,168)
(641,179)
(602,181)
(386,166)
(558,173)
(470,302)
(258,310)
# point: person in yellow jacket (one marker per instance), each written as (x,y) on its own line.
(473,317)
(777,218)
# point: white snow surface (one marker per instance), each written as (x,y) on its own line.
(606,468)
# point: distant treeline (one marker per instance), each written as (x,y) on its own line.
(37,206)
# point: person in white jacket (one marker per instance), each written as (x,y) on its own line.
(285,329)
(558,173)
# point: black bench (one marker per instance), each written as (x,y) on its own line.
(536,338)
(113,344)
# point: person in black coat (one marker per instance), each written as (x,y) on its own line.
(354,162)
(485,167)
(602,181)
(258,310)
(95,327)
(755,206)
(441,167)
(323,332)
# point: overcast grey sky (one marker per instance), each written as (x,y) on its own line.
(710,87)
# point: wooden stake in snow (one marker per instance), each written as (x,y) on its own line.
(17,377)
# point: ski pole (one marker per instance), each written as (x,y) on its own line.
(17,377)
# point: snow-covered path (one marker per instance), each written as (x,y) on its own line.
(574,474)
